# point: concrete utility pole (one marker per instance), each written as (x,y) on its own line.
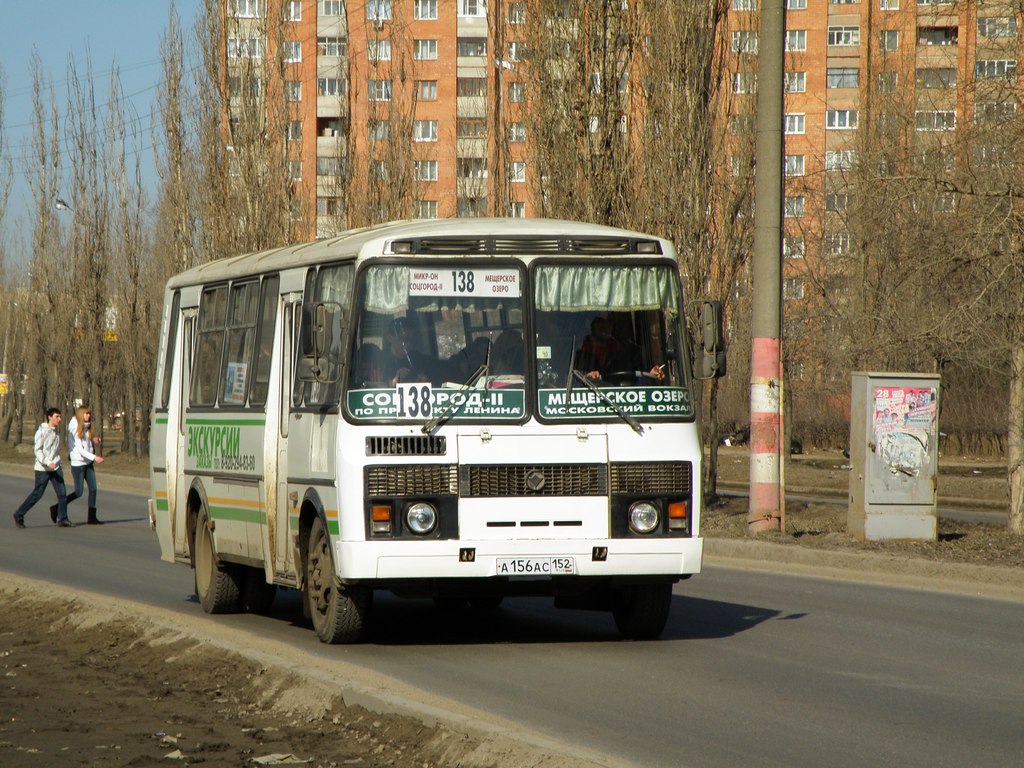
(766,495)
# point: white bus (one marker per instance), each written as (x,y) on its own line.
(461,410)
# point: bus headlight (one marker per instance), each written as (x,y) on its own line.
(421,518)
(643,517)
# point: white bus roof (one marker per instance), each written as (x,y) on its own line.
(477,236)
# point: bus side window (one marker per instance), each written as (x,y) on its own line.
(172,342)
(265,342)
(209,344)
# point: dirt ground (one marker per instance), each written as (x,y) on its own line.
(85,684)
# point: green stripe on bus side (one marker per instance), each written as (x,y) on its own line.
(237,514)
(332,527)
(161,504)
(161,419)
(227,422)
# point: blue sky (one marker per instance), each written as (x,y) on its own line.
(121,33)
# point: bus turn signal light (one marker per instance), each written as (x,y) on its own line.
(381,518)
(678,515)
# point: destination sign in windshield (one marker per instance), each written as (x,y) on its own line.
(464,282)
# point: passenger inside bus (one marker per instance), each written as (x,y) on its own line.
(402,359)
(507,355)
(607,358)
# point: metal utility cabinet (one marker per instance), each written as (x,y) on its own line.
(894,434)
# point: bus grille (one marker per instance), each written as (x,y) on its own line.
(486,480)
(652,478)
(407,445)
(413,480)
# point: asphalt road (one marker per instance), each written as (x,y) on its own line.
(754,669)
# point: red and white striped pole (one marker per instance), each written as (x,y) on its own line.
(766,502)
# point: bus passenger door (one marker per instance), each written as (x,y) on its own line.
(287,528)
(177,438)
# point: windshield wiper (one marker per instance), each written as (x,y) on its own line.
(635,425)
(450,410)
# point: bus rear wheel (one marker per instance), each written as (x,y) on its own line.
(641,610)
(339,613)
(217,584)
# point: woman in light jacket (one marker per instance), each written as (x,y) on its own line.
(83,457)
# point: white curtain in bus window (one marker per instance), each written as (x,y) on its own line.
(241,333)
(602,288)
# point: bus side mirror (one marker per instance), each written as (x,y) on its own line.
(712,341)
(321,360)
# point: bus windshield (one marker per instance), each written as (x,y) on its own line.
(613,327)
(422,335)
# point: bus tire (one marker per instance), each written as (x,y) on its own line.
(339,613)
(217,584)
(641,610)
(257,594)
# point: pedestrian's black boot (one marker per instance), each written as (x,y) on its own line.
(53,514)
(93,520)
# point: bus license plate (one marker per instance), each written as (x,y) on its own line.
(535,566)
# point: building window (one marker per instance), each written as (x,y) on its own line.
(935,120)
(379,130)
(294,130)
(744,82)
(378,50)
(330,86)
(426,90)
(378,10)
(472,7)
(471,207)
(471,168)
(889,39)
(837,244)
(937,35)
(744,41)
(517,133)
(332,46)
(795,82)
(424,50)
(842,77)
(794,206)
(426,209)
(471,128)
(292,51)
(793,247)
(293,10)
(516,93)
(739,125)
(331,8)
(425,170)
(839,160)
(794,165)
(793,288)
(887,82)
(295,170)
(328,166)
(516,51)
(744,5)
(837,202)
(245,48)
(379,170)
(997,26)
(844,36)
(994,112)
(517,13)
(327,206)
(796,40)
(517,172)
(840,119)
(889,5)
(472,46)
(995,68)
(424,130)
(470,86)
(794,123)
(424,10)
(933,77)
(796,5)
(843,2)
(378,90)
(517,210)
(246,9)
(293,90)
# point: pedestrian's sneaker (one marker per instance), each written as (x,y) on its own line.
(18,522)
(65,524)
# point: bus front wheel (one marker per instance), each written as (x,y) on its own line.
(217,584)
(339,613)
(641,610)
